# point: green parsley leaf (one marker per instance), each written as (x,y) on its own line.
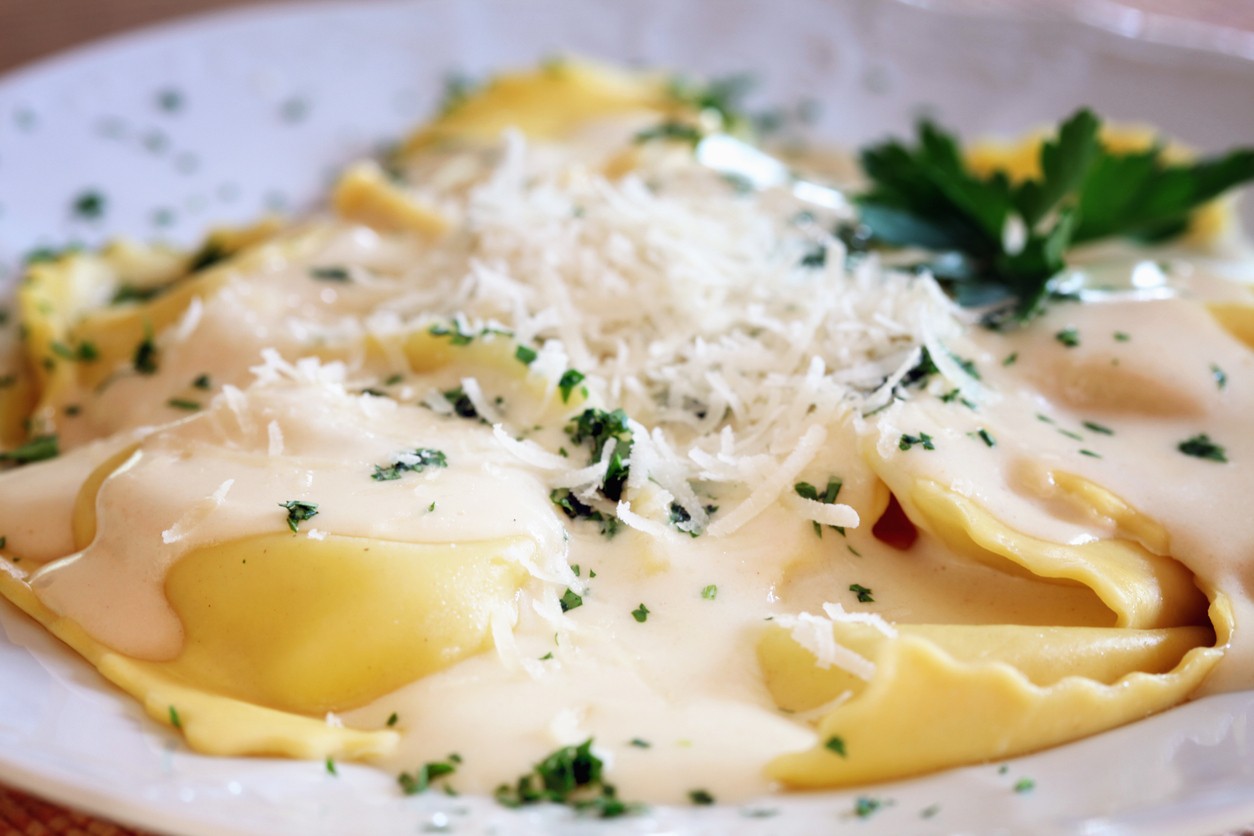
(925,196)
(146,353)
(422,779)
(298,511)
(700,797)
(807,491)
(414,462)
(90,205)
(183,404)
(986,437)
(570,600)
(175,720)
(1069,337)
(331,770)
(640,613)
(330,274)
(640,743)
(837,745)
(1098,428)
(907,441)
(1220,376)
(864,594)
(202,381)
(865,806)
(569,380)
(38,449)
(1024,785)
(710,592)
(525,355)
(1201,447)
(573,776)
(393,719)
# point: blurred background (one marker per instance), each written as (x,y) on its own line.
(32,29)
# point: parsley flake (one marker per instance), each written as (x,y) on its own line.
(90,205)
(864,594)
(525,355)
(701,797)
(298,511)
(1069,337)
(865,806)
(423,778)
(1024,785)
(570,600)
(175,720)
(38,449)
(573,776)
(329,274)
(1101,429)
(907,441)
(640,613)
(146,353)
(710,592)
(414,462)
(331,770)
(393,719)
(837,745)
(1201,447)
(569,380)
(1220,376)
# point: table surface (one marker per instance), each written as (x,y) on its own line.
(35,29)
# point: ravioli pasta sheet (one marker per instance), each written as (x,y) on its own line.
(551,430)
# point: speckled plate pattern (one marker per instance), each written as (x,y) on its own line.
(161,134)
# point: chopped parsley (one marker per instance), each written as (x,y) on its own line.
(1201,447)
(415,462)
(1089,453)
(710,592)
(907,441)
(700,797)
(570,600)
(145,357)
(4,541)
(463,407)
(133,293)
(298,511)
(1220,376)
(1122,336)
(986,437)
(170,100)
(836,744)
(1011,359)
(573,776)
(574,508)
(455,334)
(640,743)
(38,449)
(815,257)
(865,806)
(828,497)
(422,778)
(670,130)
(1024,785)
(84,352)
(1101,429)
(1069,337)
(331,770)
(865,596)
(929,811)
(525,355)
(640,613)
(681,519)
(597,428)
(175,719)
(393,719)
(90,205)
(569,380)
(183,404)
(202,381)
(330,274)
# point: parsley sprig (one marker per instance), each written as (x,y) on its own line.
(572,776)
(926,196)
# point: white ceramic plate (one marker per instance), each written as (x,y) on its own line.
(222,118)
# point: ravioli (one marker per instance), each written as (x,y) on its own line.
(548,432)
